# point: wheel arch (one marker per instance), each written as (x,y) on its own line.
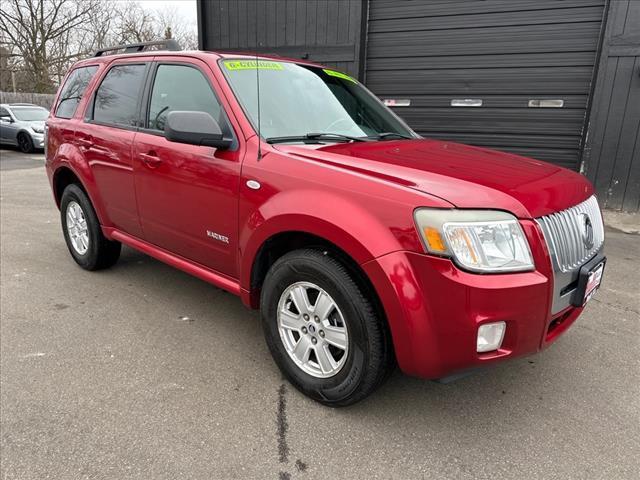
(284,242)
(66,173)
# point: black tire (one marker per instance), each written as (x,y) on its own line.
(370,356)
(101,252)
(25,143)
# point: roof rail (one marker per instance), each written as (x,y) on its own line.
(168,44)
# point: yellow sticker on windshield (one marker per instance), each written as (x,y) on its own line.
(344,76)
(252,65)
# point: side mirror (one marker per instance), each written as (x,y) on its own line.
(195,128)
(6,119)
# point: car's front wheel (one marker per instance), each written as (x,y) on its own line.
(322,330)
(25,143)
(82,233)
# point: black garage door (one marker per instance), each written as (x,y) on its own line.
(517,61)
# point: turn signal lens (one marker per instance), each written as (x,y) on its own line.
(435,241)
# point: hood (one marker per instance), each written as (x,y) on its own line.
(465,176)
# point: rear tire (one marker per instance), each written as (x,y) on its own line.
(367,359)
(82,233)
(25,143)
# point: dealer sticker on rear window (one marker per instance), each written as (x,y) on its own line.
(252,65)
(344,76)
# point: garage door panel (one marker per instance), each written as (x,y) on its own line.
(502,60)
(563,37)
(498,19)
(557,80)
(522,141)
(491,101)
(493,120)
(389,9)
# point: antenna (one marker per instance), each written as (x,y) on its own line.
(258,95)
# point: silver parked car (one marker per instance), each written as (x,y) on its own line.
(22,125)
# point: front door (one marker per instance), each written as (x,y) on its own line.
(187,194)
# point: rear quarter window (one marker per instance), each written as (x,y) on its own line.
(73,91)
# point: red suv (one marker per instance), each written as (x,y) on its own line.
(292,186)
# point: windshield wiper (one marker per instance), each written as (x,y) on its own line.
(384,135)
(317,136)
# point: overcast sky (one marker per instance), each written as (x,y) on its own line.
(186,7)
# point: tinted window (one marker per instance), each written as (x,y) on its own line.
(4,112)
(178,87)
(73,91)
(116,101)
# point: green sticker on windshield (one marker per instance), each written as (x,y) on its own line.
(252,65)
(344,76)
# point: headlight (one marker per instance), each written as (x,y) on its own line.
(477,240)
(37,129)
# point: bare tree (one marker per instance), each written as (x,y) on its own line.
(38,30)
(41,39)
(172,24)
(133,24)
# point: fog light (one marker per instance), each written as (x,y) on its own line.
(490,336)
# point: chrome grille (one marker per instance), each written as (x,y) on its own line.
(564,233)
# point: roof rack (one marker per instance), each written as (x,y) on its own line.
(168,44)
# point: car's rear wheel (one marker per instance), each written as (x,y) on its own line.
(322,330)
(25,143)
(82,233)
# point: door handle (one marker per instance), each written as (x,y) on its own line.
(150,159)
(85,142)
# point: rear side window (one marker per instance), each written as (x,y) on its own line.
(73,90)
(179,87)
(116,101)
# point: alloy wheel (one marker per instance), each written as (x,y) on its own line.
(77,228)
(313,330)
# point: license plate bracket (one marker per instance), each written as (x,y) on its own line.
(589,281)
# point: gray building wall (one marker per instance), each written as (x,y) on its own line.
(323,31)
(611,157)
(510,55)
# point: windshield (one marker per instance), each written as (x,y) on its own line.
(296,100)
(29,114)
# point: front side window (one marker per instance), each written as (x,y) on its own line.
(183,88)
(73,91)
(296,100)
(30,114)
(116,101)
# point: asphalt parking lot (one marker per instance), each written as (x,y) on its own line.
(144,372)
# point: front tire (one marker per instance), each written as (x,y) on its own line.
(82,233)
(25,143)
(344,354)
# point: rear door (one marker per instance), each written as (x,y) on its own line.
(187,194)
(106,139)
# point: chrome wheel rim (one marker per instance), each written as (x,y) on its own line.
(77,228)
(313,330)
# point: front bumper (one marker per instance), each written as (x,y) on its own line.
(38,140)
(434,309)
